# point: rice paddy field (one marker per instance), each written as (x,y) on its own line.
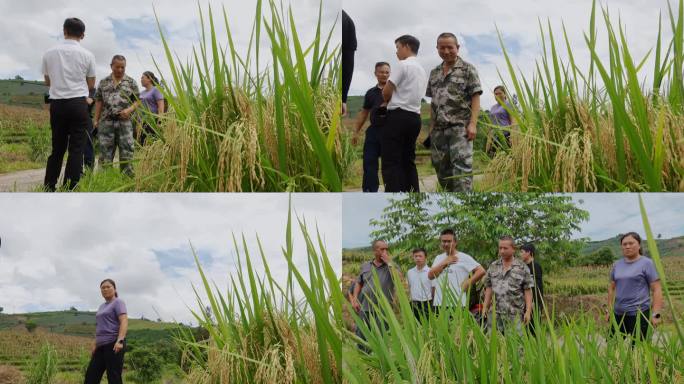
(572,344)
(615,125)
(24,138)
(240,122)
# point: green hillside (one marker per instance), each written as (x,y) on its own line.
(667,247)
(22,92)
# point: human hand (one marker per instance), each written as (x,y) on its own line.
(344,109)
(355,304)
(471,131)
(96,123)
(355,138)
(656,321)
(527,317)
(118,347)
(89,101)
(125,114)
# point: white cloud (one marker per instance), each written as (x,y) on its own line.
(379,23)
(30,27)
(57,248)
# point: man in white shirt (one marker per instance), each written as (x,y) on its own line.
(453,273)
(403,93)
(420,286)
(69,71)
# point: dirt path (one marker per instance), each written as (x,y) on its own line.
(22,181)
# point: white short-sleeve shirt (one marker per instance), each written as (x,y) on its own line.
(68,64)
(453,276)
(420,285)
(410,80)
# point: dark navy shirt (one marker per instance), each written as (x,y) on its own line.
(372,101)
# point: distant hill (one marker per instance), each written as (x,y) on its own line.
(77,323)
(667,247)
(25,93)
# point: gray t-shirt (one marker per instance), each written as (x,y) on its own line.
(368,293)
(632,285)
(107,321)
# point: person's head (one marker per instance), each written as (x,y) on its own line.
(118,66)
(407,46)
(527,252)
(631,245)
(108,289)
(447,240)
(500,93)
(74,28)
(149,79)
(379,248)
(506,247)
(382,72)
(419,256)
(447,47)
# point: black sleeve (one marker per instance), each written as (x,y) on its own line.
(368,101)
(539,282)
(348,51)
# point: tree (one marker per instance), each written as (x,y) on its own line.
(479,220)
(30,326)
(1,309)
(17,77)
(147,365)
(604,256)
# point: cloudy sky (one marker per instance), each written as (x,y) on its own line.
(610,214)
(56,249)
(128,27)
(379,23)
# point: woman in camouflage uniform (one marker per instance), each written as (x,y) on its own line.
(115,100)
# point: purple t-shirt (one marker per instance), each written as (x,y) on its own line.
(150,98)
(500,115)
(107,321)
(632,285)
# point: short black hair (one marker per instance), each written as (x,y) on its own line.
(529,247)
(448,35)
(74,27)
(636,237)
(381,63)
(448,231)
(419,249)
(502,88)
(410,41)
(508,238)
(118,58)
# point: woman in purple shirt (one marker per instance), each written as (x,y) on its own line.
(152,100)
(110,337)
(502,118)
(632,281)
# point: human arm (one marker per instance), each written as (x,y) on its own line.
(160,106)
(387,91)
(528,306)
(98,113)
(471,130)
(47,81)
(355,295)
(437,269)
(487,301)
(123,329)
(475,276)
(611,299)
(360,121)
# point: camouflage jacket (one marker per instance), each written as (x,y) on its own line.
(116,98)
(509,287)
(452,93)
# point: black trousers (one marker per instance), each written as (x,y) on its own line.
(421,309)
(627,325)
(69,122)
(398,151)
(371,160)
(104,359)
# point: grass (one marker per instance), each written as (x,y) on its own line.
(598,128)
(237,124)
(567,349)
(24,138)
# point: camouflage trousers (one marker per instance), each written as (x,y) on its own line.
(452,157)
(113,134)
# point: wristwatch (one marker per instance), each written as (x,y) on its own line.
(120,341)
(656,315)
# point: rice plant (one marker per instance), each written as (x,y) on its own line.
(597,128)
(236,124)
(454,348)
(44,368)
(259,332)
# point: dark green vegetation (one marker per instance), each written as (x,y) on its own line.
(22,93)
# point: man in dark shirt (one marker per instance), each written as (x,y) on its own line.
(371,145)
(348,51)
(527,252)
